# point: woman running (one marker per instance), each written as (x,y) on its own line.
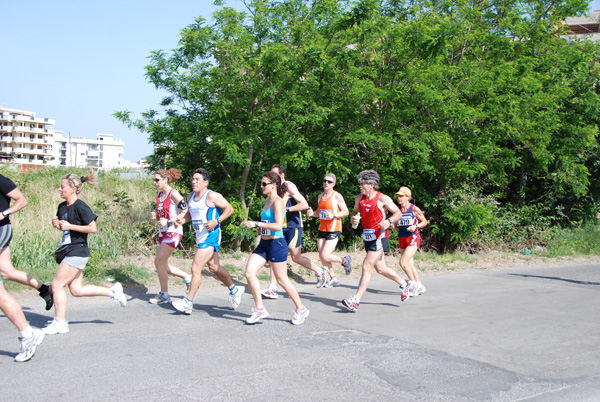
(409,238)
(76,220)
(272,248)
(8,192)
(332,208)
(170,206)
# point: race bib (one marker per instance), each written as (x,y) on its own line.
(323,213)
(66,237)
(369,235)
(197,225)
(405,222)
(265,232)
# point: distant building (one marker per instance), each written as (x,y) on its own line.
(588,25)
(25,139)
(101,153)
(32,143)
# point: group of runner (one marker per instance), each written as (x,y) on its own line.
(280,229)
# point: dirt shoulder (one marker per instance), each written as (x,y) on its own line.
(428,264)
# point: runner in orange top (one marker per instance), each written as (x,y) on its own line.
(332,208)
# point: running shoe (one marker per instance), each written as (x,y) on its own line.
(405,295)
(116,293)
(183,306)
(421,289)
(257,315)
(48,299)
(270,293)
(333,283)
(413,289)
(236,298)
(351,304)
(187,281)
(346,263)
(322,277)
(300,316)
(56,327)
(160,298)
(28,345)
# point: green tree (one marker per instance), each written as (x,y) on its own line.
(438,95)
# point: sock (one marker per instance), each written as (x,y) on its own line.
(188,279)
(188,300)
(233,290)
(28,333)
(301,309)
(44,290)
(260,308)
(164,293)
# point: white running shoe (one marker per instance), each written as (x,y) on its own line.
(28,345)
(160,298)
(322,277)
(56,327)
(421,289)
(183,306)
(270,294)
(413,289)
(333,283)
(116,293)
(236,299)
(257,315)
(300,316)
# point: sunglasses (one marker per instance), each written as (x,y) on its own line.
(263,184)
(402,195)
(327,181)
(155,179)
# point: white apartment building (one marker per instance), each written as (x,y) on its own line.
(32,143)
(25,139)
(104,152)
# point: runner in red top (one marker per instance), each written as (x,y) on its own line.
(372,206)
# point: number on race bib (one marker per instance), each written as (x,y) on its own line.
(197,225)
(323,213)
(369,235)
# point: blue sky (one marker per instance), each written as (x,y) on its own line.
(80,61)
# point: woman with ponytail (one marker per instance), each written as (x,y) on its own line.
(170,206)
(76,220)
(272,248)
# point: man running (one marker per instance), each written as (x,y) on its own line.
(372,206)
(292,232)
(204,211)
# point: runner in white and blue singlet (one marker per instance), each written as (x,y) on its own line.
(206,210)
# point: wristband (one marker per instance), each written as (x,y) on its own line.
(390,221)
(255,224)
(6,212)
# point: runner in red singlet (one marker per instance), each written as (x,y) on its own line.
(169,206)
(372,206)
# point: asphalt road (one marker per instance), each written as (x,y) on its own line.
(527,333)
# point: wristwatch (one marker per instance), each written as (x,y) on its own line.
(219,220)
(6,212)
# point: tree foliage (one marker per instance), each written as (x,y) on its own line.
(441,95)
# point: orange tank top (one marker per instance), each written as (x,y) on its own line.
(329,204)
